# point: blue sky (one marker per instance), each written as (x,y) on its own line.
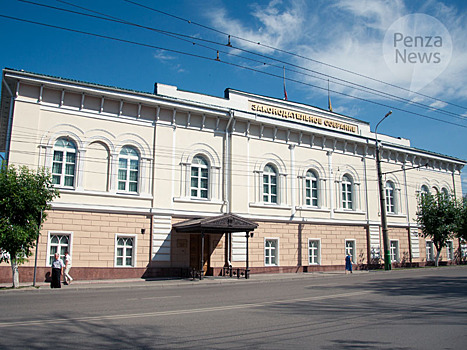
(348,36)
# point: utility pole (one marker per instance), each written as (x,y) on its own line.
(382,201)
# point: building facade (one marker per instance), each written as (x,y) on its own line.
(131,165)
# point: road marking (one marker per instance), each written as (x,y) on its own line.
(177,312)
(150,298)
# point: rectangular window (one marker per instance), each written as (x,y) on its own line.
(350,248)
(58,243)
(270,252)
(314,254)
(464,250)
(430,253)
(449,250)
(125,251)
(394,250)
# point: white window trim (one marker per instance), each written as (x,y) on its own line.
(354,248)
(198,188)
(453,251)
(135,246)
(432,250)
(128,170)
(398,255)
(353,202)
(393,201)
(270,174)
(70,243)
(319,251)
(277,251)
(316,179)
(65,151)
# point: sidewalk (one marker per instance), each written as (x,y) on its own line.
(172,282)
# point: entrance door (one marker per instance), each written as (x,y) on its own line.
(195,253)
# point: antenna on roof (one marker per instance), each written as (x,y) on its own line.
(329,100)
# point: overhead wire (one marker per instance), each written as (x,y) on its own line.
(322,76)
(290,53)
(228,63)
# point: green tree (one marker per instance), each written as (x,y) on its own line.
(461,231)
(438,217)
(24,196)
(462,224)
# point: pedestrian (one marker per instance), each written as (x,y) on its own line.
(348,264)
(66,276)
(57,268)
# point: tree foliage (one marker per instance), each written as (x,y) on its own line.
(24,195)
(438,217)
(462,225)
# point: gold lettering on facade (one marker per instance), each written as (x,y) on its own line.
(288,114)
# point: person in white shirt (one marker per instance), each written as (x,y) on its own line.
(66,275)
(57,268)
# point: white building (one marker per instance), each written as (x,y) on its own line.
(131,165)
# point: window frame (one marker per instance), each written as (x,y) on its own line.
(396,256)
(316,249)
(199,178)
(49,244)
(432,251)
(449,250)
(347,190)
(270,172)
(128,170)
(424,189)
(276,252)
(354,248)
(390,196)
(311,185)
(65,152)
(134,250)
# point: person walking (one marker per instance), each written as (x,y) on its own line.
(57,268)
(66,276)
(348,264)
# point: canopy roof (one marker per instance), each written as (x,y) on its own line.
(225,223)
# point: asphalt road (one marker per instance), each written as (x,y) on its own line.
(405,309)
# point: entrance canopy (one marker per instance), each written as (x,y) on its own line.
(225,223)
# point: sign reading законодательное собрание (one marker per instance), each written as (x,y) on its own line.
(289,114)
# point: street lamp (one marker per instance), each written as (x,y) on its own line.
(382,200)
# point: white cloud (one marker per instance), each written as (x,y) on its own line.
(349,34)
(274,24)
(162,55)
(438,104)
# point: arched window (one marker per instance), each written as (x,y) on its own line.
(445,191)
(269,184)
(64,163)
(424,189)
(311,189)
(347,192)
(128,170)
(390,198)
(199,178)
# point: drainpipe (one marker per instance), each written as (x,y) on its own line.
(227,165)
(10,120)
(408,211)
(293,179)
(228,183)
(153,185)
(331,184)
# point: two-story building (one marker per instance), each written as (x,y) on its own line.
(154,184)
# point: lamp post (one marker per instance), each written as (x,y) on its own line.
(382,200)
